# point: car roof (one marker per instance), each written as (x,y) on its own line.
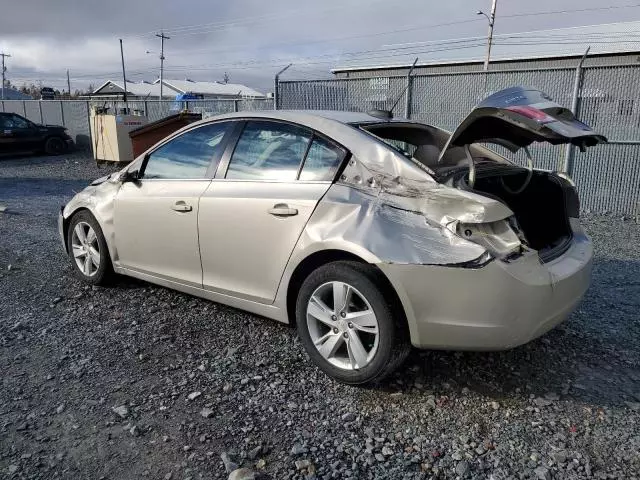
(306,117)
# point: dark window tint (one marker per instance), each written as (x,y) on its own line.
(13,121)
(268,151)
(189,155)
(322,161)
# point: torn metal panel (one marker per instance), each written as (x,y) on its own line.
(354,217)
(438,203)
(99,199)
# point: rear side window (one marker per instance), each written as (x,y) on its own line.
(13,121)
(322,161)
(189,155)
(268,151)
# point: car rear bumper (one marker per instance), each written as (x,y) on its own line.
(496,307)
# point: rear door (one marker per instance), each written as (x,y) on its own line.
(156,217)
(254,211)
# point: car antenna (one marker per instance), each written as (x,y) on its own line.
(413,65)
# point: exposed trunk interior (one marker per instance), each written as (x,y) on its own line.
(542,202)
(541,205)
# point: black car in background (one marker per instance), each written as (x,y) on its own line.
(19,135)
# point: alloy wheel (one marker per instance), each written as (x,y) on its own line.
(86,249)
(342,325)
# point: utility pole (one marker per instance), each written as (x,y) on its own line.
(124,79)
(162,37)
(3,55)
(68,84)
(492,18)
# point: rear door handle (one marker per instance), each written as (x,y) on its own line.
(282,210)
(181,206)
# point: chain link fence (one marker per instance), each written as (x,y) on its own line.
(607,98)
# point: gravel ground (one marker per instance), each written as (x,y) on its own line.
(138,381)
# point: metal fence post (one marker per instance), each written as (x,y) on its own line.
(41,118)
(569,152)
(407,105)
(235,105)
(24,108)
(146,109)
(276,92)
(2,103)
(89,124)
(62,114)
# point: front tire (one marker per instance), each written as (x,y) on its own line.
(351,323)
(88,249)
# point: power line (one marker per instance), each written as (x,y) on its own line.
(577,10)
(252,19)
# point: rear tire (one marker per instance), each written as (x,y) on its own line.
(361,338)
(88,250)
(54,146)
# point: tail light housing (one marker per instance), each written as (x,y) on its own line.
(531,113)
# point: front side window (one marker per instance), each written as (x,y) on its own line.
(268,151)
(189,155)
(322,161)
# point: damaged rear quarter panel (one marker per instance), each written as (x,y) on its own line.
(396,220)
(366,224)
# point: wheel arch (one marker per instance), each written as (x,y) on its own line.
(66,221)
(322,257)
(49,136)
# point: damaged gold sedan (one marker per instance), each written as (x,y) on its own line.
(369,234)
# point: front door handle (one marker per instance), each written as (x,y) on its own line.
(181,206)
(282,210)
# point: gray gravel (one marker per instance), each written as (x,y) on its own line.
(102,382)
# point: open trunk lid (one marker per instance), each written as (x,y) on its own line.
(518,116)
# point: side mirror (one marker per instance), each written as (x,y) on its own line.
(129,176)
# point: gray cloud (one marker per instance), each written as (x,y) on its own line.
(250,39)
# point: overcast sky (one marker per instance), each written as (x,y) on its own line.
(253,39)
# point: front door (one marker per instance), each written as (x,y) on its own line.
(156,217)
(17,134)
(251,218)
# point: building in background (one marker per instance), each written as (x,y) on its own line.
(609,44)
(113,89)
(212,90)
(449,80)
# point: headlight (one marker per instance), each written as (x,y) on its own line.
(497,237)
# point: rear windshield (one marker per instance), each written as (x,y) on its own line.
(422,145)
